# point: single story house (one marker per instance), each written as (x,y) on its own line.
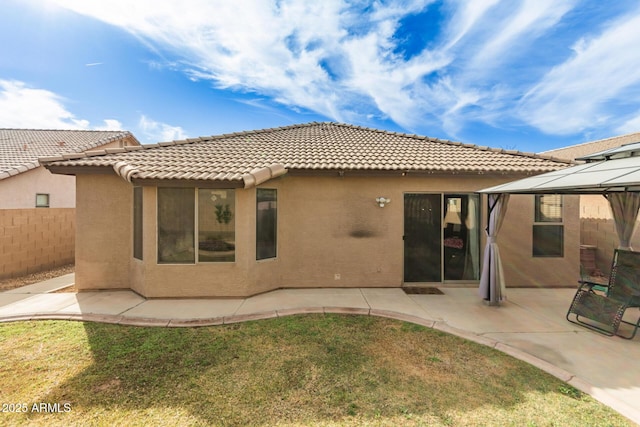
(598,235)
(311,205)
(37,209)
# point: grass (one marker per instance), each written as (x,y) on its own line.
(325,370)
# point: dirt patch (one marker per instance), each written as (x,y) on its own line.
(418,290)
(29,279)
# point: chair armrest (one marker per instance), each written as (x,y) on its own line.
(591,286)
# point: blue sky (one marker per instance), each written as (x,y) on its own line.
(530,75)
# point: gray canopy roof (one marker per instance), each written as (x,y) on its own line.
(614,170)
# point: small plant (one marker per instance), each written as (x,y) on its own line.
(223,214)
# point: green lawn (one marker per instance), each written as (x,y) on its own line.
(324,370)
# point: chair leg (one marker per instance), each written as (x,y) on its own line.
(635,329)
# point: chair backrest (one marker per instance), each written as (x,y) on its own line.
(624,282)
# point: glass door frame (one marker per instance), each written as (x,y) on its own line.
(476,230)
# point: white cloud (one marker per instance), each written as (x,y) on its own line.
(574,96)
(22,106)
(25,107)
(324,56)
(630,125)
(110,124)
(342,59)
(465,17)
(519,27)
(158,132)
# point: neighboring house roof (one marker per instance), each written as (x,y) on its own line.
(259,155)
(573,152)
(21,148)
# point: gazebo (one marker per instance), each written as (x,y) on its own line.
(614,173)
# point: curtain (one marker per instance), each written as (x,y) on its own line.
(624,207)
(492,286)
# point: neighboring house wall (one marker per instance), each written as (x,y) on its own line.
(331,233)
(35,239)
(19,192)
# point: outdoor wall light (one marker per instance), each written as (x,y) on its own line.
(381,201)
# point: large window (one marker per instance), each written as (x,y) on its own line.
(137,222)
(216,225)
(178,225)
(548,229)
(266,223)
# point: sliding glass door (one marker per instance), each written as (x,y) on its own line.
(422,237)
(441,237)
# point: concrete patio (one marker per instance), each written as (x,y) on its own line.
(529,326)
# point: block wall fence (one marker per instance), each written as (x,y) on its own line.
(33,240)
(598,229)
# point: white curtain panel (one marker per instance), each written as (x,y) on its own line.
(492,286)
(624,207)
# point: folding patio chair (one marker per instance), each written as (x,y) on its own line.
(605,309)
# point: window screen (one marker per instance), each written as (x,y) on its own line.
(266,223)
(548,208)
(176,225)
(137,222)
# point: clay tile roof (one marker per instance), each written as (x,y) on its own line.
(579,150)
(21,148)
(314,146)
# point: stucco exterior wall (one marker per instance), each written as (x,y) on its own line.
(33,240)
(104,236)
(19,191)
(331,233)
(516,242)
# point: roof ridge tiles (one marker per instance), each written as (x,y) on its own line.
(314,145)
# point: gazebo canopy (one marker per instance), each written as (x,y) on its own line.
(614,173)
(600,175)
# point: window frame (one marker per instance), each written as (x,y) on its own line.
(48,203)
(196,228)
(138,223)
(223,213)
(544,229)
(273,250)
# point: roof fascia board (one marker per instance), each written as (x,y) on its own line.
(80,170)
(182,183)
(405,173)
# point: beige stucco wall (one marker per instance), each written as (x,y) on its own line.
(516,240)
(33,240)
(19,191)
(331,233)
(103,232)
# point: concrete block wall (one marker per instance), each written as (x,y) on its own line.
(601,233)
(33,240)
(598,229)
